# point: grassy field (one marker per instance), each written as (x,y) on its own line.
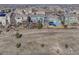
(40,42)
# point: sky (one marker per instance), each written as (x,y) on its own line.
(41,5)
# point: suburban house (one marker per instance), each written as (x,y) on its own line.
(71,20)
(36,18)
(18,18)
(40,12)
(3,18)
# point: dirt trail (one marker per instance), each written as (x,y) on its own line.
(43,41)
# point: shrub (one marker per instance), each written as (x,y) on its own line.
(42,45)
(40,26)
(58,51)
(7,30)
(18,35)
(0,31)
(66,46)
(18,45)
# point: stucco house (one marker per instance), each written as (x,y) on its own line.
(36,18)
(18,18)
(71,20)
(3,18)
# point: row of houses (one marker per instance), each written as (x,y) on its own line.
(47,20)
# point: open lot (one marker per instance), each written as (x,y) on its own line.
(40,42)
